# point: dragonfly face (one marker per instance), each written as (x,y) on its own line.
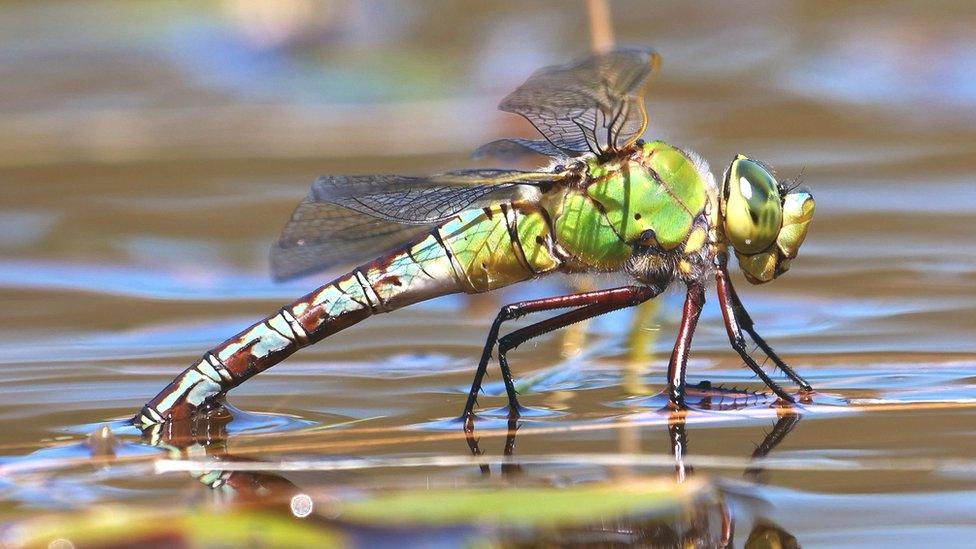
(763,221)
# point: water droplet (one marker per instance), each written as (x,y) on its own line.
(301,505)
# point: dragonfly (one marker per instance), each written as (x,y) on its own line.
(608,201)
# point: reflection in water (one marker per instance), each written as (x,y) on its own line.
(710,524)
(764,532)
(208,436)
(508,468)
(706,522)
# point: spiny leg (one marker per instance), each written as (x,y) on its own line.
(625,295)
(520,336)
(694,301)
(747,324)
(513,311)
(735,335)
(784,425)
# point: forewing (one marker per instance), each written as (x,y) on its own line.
(321,235)
(418,200)
(351,218)
(594,105)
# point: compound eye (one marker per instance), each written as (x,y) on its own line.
(753,206)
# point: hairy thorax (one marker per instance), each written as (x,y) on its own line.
(647,212)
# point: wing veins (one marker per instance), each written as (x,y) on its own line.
(602,88)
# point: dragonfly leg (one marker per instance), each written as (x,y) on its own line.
(784,425)
(745,321)
(694,301)
(735,335)
(626,295)
(520,336)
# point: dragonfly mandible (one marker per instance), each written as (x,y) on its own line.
(607,202)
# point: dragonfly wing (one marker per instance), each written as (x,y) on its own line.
(422,200)
(350,218)
(516,148)
(594,105)
(320,236)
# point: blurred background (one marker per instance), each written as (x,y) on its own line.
(151,151)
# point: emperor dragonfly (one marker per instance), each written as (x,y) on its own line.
(609,202)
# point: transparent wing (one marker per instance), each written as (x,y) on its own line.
(320,236)
(419,200)
(350,218)
(594,105)
(516,148)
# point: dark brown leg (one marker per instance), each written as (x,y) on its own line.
(618,297)
(694,301)
(735,334)
(784,425)
(520,336)
(745,321)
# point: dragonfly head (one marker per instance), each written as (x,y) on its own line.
(763,221)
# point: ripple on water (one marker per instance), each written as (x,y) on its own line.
(496,418)
(235,422)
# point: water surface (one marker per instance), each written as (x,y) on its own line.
(148,157)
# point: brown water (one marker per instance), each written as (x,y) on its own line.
(150,154)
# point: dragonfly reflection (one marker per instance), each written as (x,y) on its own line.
(709,522)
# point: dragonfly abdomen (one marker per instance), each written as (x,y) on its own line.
(499,245)
(476,251)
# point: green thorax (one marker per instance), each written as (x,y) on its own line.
(651,197)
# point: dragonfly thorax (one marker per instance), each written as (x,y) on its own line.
(645,211)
